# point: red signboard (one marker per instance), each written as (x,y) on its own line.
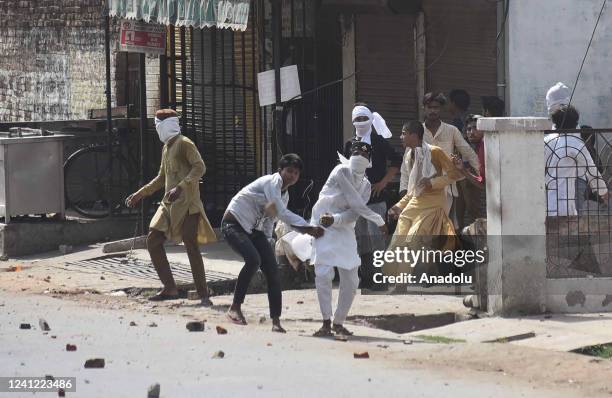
(141,37)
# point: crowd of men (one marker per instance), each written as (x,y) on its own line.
(442,190)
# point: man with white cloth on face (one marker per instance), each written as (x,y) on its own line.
(371,128)
(180,216)
(342,200)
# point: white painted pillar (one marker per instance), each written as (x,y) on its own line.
(516,214)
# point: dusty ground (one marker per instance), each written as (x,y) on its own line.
(467,369)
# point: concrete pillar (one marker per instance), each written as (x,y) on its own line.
(516,214)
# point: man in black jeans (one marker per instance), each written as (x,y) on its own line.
(247,226)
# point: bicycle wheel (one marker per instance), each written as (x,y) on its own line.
(88,174)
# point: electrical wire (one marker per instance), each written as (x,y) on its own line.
(586,53)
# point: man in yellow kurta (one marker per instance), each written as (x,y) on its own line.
(180,216)
(423,220)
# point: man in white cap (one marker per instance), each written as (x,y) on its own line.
(557,95)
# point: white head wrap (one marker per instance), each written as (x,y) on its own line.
(559,94)
(167,128)
(364,128)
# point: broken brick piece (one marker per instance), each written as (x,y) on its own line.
(43,325)
(95,363)
(195,326)
(221,330)
(361,355)
(71,347)
(132,323)
(25,326)
(219,354)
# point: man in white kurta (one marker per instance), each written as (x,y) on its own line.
(567,159)
(342,201)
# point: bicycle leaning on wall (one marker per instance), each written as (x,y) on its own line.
(91,174)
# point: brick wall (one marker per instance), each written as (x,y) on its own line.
(52,59)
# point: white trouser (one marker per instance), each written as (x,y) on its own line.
(349,281)
(449,203)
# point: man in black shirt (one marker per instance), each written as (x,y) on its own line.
(371,128)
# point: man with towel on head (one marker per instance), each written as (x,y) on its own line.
(180,216)
(385,162)
(341,201)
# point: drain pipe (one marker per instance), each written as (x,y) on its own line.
(109,118)
(503,9)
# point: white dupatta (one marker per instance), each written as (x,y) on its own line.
(422,167)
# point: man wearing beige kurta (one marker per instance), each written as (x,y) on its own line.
(180,216)
(444,136)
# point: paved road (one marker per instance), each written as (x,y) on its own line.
(138,356)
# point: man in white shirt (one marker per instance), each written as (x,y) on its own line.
(567,158)
(247,226)
(444,136)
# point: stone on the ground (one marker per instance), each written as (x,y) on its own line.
(152,325)
(43,325)
(132,323)
(25,326)
(154,391)
(361,355)
(219,354)
(221,330)
(71,347)
(94,363)
(49,377)
(195,326)
(262,319)
(61,392)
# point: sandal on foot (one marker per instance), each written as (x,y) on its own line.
(236,318)
(323,332)
(164,297)
(341,330)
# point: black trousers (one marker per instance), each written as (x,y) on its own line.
(257,253)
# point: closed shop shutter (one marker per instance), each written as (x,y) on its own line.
(385,65)
(461,47)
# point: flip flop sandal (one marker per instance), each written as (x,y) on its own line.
(236,320)
(323,332)
(339,329)
(164,297)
